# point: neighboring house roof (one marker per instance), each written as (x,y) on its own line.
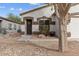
(10,20)
(43,6)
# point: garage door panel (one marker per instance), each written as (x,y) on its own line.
(73,27)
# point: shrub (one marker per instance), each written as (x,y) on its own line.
(19,31)
(3,31)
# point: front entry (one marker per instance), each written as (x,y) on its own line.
(29,26)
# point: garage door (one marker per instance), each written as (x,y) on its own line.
(73,27)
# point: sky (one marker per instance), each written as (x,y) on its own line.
(16,8)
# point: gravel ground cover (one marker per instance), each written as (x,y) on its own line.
(11,46)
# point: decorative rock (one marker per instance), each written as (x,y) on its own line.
(41,36)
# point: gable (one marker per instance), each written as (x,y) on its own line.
(47,11)
(38,8)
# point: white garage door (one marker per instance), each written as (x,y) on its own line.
(73,27)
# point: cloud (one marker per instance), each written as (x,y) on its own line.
(1,7)
(12,8)
(16,9)
(34,3)
(20,9)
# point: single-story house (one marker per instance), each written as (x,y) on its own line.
(41,19)
(9,25)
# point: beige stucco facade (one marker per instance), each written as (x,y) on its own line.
(5,25)
(47,12)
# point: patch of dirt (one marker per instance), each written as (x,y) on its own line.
(10,46)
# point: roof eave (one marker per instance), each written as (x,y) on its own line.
(46,5)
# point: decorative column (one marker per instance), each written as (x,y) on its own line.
(25,24)
(25,27)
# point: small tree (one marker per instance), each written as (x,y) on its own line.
(13,17)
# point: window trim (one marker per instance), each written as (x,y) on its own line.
(10,26)
(39,19)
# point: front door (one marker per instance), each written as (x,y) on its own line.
(29,26)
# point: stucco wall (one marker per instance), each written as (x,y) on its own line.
(56,26)
(73,25)
(35,28)
(23,28)
(39,13)
(5,24)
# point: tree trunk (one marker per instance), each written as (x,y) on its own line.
(62,35)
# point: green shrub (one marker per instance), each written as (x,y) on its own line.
(44,29)
(19,31)
(3,31)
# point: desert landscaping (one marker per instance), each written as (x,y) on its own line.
(13,46)
(48,30)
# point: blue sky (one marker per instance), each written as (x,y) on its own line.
(16,8)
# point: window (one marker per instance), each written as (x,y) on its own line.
(53,22)
(14,26)
(46,22)
(44,26)
(41,22)
(10,26)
